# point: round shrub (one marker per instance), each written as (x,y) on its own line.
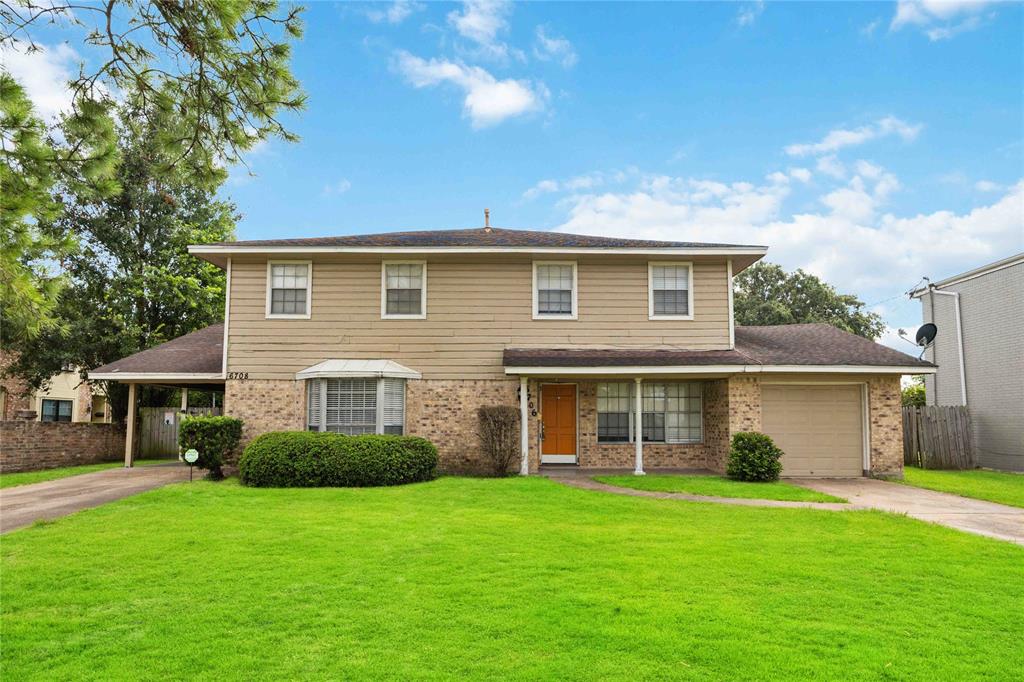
(213,437)
(754,457)
(307,459)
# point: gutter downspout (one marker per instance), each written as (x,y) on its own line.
(959,337)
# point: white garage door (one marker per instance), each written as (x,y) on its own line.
(819,428)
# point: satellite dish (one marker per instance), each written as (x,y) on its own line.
(926,334)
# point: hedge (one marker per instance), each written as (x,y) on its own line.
(213,437)
(307,459)
(754,457)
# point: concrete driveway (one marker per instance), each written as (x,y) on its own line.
(25,504)
(974,516)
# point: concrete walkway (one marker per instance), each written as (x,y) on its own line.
(584,481)
(25,504)
(974,516)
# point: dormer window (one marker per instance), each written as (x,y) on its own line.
(403,290)
(554,290)
(670,291)
(289,284)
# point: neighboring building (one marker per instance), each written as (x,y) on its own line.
(66,399)
(618,352)
(980,353)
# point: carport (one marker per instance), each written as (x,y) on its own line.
(194,361)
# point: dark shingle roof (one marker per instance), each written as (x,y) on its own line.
(201,352)
(794,344)
(480,237)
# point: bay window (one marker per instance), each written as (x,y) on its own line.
(356,406)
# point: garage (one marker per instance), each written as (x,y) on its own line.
(820,428)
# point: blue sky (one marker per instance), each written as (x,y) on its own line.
(869,143)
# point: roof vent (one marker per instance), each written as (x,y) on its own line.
(487,220)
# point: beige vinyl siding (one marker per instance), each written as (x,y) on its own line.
(475,309)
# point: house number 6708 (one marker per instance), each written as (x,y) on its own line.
(238,375)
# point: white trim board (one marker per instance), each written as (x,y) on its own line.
(142,377)
(970,274)
(646,251)
(716,369)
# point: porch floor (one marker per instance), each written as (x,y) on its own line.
(573,471)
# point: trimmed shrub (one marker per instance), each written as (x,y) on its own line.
(213,437)
(754,457)
(308,459)
(498,430)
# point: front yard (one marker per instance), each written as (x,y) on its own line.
(520,578)
(994,486)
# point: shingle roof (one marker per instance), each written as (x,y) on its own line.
(794,344)
(201,352)
(480,237)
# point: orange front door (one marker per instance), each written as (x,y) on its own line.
(558,415)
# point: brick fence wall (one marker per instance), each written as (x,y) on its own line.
(29,446)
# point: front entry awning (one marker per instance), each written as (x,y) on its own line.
(358,368)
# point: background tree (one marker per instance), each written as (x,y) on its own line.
(765,294)
(913,395)
(131,283)
(210,79)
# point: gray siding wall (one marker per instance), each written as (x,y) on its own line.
(992,310)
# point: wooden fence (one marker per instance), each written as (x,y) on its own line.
(158,429)
(938,437)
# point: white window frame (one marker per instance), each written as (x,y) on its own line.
(632,414)
(380,427)
(309,290)
(650,289)
(384,291)
(575,292)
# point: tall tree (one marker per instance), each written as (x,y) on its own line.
(765,294)
(131,283)
(211,79)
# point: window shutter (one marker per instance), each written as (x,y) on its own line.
(393,401)
(315,410)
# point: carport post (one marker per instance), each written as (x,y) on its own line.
(638,435)
(129,436)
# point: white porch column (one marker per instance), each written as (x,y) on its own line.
(524,427)
(129,436)
(638,436)
(184,399)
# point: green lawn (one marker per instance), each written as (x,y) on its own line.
(518,578)
(994,486)
(26,477)
(718,486)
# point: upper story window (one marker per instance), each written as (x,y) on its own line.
(289,284)
(670,291)
(403,290)
(554,290)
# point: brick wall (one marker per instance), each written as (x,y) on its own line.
(265,405)
(30,445)
(15,392)
(444,412)
(886,421)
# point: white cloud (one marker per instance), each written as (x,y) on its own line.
(44,75)
(482,21)
(841,137)
(987,186)
(831,166)
(542,187)
(801,174)
(749,13)
(336,188)
(939,19)
(554,48)
(852,242)
(869,29)
(488,101)
(396,12)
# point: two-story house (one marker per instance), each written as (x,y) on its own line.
(617,352)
